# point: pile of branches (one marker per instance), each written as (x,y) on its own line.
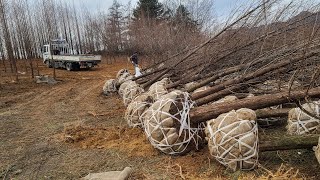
(248,75)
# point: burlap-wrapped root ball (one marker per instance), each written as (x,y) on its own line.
(124,77)
(109,87)
(233,139)
(123,87)
(131,91)
(157,89)
(167,124)
(301,123)
(121,72)
(136,109)
(317,151)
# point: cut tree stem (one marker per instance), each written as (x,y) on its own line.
(287,142)
(202,114)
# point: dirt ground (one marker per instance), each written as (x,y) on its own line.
(67,130)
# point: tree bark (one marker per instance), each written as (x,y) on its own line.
(219,95)
(287,142)
(267,113)
(202,114)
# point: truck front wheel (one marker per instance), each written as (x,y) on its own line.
(69,66)
(48,64)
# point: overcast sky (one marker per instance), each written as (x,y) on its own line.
(222,7)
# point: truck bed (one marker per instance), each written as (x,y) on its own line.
(76,58)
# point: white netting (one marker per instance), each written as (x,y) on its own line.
(136,109)
(124,77)
(233,139)
(121,72)
(167,124)
(317,151)
(109,87)
(123,87)
(301,123)
(270,121)
(131,91)
(158,89)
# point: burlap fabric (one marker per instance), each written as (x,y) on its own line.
(121,72)
(157,89)
(124,77)
(109,87)
(131,91)
(233,139)
(136,109)
(317,151)
(167,124)
(123,87)
(300,122)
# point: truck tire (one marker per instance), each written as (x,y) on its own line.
(48,64)
(56,65)
(69,66)
(76,66)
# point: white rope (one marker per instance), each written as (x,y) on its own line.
(303,123)
(123,87)
(267,122)
(171,133)
(158,89)
(121,72)
(230,148)
(136,109)
(124,77)
(131,91)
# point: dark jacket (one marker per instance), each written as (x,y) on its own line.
(134,58)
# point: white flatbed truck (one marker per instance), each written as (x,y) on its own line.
(57,54)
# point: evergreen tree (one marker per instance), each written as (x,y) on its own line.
(150,9)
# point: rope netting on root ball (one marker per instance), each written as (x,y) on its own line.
(121,72)
(123,87)
(136,109)
(157,89)
(109,87)
(167,124)
(131,91)
(124,77)
(233,139)
(299,122)
(317,151)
